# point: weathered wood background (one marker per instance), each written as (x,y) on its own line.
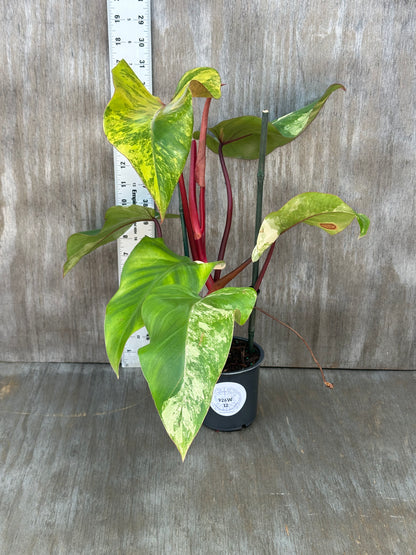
(354,301)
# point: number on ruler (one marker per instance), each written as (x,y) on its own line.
(129,31)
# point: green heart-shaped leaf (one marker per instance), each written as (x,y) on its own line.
(118,219)
(328,212)
(240,137)
(155,138)
(150,264)
(190,338)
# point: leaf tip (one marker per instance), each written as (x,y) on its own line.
(183,455)
(67,266)
(364,223)
(255,255)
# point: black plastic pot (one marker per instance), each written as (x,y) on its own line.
(234,401)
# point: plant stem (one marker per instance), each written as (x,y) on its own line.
(193,206)
(201,157)
(158,228)
(187,217)
(222,282)
(210,284)
(200,251)
(328,384)
(228,221)
(183,225)
(259,212)
(202,210)
(264,268)
(197,245)
(202,241)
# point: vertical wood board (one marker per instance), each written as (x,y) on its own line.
(352,300)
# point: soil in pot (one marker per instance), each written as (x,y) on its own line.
(240,357)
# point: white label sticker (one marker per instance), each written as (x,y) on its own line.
(228,398)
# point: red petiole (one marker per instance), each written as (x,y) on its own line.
(193,206)
(194,213)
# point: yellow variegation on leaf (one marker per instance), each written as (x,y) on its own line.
(151,264)
(190,338)
(328,212)
(155,137)
(240,136)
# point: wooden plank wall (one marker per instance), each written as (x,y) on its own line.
(352,300)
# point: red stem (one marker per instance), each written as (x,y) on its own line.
(194,218)
(158,228)
(264,268)
(197,245)
(200,251)
(193,207)
(201,158)
(210,284)
(187,217)
(228,221)
(222,282)
(202,219)
(202,209)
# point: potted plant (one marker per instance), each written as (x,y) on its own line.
(185,301)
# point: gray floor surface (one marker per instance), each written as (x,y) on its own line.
(86,467)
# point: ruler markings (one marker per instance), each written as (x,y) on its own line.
(129,35)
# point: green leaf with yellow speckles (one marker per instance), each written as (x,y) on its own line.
(328,212)
(150,264)
(203,82)
(240,136)
(190,338)
(155,137)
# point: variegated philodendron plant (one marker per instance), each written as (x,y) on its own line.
(185,301)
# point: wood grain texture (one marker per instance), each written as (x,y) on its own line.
(87,467)
(56,177)
(353,301)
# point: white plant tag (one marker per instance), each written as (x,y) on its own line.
(228,398)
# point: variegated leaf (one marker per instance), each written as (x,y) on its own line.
(149,265)
(118,219)
(203,82)
(190,338)
(154,137)
(240,136)
(328,212)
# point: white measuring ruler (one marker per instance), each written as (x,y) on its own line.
(129,35)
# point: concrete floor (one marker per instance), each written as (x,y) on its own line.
(86,467)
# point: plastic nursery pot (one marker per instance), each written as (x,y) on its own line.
(234,401)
